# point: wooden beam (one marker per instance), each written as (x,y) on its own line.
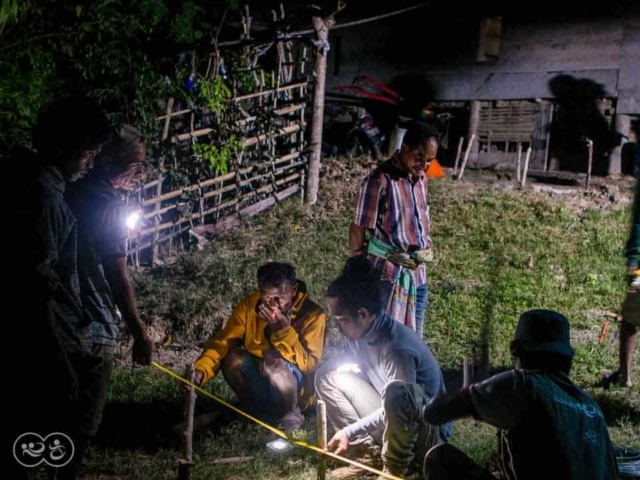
(321,27)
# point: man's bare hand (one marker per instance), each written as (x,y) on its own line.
(143,350)
(273,316)
(198,377)
(339,440)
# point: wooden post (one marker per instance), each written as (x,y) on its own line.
(526,166)
(548,142)
(590,142)
(474,121)
(465,372)
(186,464)
(622,127)
(458,153)
(321,26)
(466,156)
(519,163)
(322,438)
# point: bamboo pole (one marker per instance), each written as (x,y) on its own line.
(518,164)
(278,89)
(280,132)
(322,438)
(526,166)
(185,465)
(247,141)
(165,130)
(153,183)
(242,183)
(458,153)
(196,186)
(321,27)
(173,114)
(279,112)
(590,142)
(466,156)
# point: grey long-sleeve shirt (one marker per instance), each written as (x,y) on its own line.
(391,351)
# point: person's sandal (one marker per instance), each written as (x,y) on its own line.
(614,378)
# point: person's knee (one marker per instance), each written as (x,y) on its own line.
(274,363)
(276,370)
(402,403)
(323,381)
(232,362)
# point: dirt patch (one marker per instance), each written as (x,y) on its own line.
(604,193)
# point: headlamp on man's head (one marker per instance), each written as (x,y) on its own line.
(132,219)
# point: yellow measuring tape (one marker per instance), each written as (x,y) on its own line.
(278,432)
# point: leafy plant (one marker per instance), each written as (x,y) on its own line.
(219,155)
(215,94)
(128,55)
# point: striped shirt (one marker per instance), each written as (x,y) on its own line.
(102,234)
(396,209)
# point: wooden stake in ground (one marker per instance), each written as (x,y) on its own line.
(322,438)
(465,372)
(519,163)
(590,142)
(466,156)
(322,27)
(186,464)
(526,166)
(458,153)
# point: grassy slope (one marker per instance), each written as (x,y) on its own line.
(498,253)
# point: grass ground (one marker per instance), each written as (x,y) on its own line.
(499,252)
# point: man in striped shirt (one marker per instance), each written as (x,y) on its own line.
(391,224)
(106,291)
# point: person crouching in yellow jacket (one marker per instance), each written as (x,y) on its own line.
(270,348)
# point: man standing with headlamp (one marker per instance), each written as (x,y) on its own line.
(104,221)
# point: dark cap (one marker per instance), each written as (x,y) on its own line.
(544,331)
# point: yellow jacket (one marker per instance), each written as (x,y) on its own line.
(301,343)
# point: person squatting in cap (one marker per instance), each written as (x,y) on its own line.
(547,426)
